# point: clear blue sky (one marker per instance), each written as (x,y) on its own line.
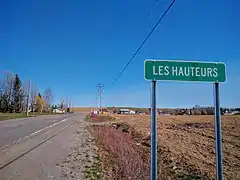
(73,45)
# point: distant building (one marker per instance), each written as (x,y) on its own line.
(231,113)
(132,112)
(57,111)
(124,111)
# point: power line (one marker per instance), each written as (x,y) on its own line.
(136,52)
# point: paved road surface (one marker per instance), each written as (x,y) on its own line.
(58,152)
(12,130)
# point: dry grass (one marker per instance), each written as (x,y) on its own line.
(189,141)
(121,157)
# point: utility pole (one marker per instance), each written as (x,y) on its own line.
(100,86)
(29,85)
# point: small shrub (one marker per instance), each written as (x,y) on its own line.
(88,117)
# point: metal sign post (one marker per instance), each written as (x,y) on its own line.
(188,71)
(153,132)
(218,137)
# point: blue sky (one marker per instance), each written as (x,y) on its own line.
(71,46)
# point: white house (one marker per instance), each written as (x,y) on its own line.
(132,112)
(58,111)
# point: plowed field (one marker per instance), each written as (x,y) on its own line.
(189,142)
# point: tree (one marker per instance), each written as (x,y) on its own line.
(115,110)
(47,99)
(16,94)
(210,110)
(2,85)
(6,91)
(24,96)
(33,97)
(53,107)
(61,105)
(4,102)
(197,106)
(39,103)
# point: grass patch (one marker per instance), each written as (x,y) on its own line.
(7,116)
(93,172)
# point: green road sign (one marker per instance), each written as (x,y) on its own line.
(170,70)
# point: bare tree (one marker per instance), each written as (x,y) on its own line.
(62,104)
(48,98)
(23,97)
(33,96)
(26,87)
(2,87)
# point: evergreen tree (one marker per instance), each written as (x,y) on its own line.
(4,103)
(16,95)
(1,99)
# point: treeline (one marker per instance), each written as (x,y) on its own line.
(17,97)
(197,110)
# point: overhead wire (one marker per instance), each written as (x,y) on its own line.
(144,41)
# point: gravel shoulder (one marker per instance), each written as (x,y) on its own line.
(82,160)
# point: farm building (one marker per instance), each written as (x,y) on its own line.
(126,111)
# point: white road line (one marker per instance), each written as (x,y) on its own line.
(46,128)
(34,133)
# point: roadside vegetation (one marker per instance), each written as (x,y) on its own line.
(8,116)
(121,157)
(88,117)
(5,116)
(99,118)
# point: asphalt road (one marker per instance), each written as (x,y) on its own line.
(59,149)
(15,129)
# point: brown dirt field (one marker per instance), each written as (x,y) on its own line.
(189,140)
(82,109)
